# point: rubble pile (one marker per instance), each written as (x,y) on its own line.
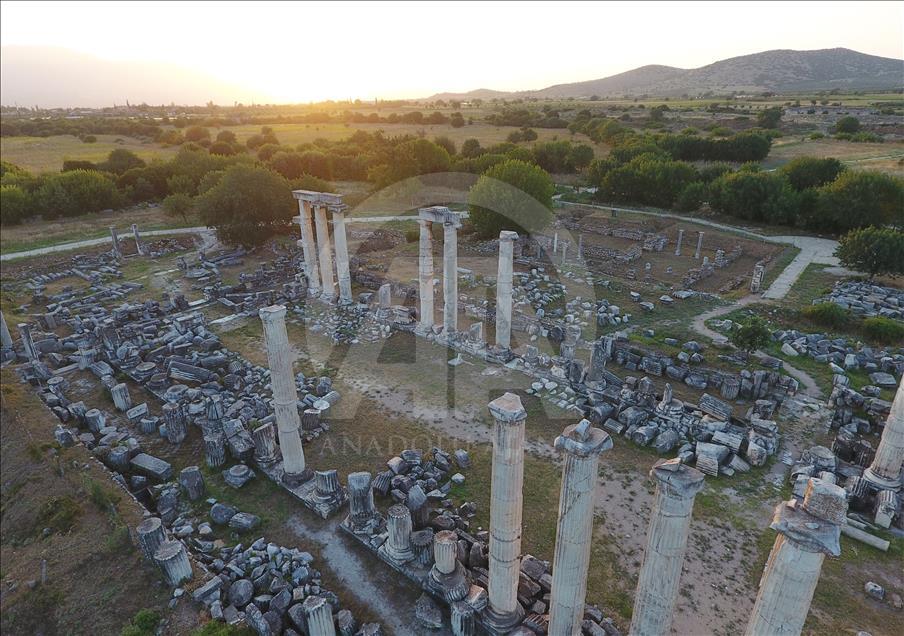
(842,354)
(866,299)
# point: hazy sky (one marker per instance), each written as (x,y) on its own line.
(299,52)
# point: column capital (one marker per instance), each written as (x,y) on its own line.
(508,235)
(507,408)
(814,525)
(583,440)
(272,313)
(677,479)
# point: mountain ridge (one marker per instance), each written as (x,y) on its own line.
(777,70)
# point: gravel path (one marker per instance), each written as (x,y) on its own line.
(63,247)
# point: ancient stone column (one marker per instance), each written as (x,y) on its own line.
(342,266)
(450,278)
(447,576)
(215,450)
(172,559)
(808,531)
(319,616)
(670,522)
(28,343)
(463,620)
(121,398)
(265,450)
(192,482)
(555,243)
(361,509)
(582,445)
(425,276)
(678,242)
(699,244)
(398,544)
(95,420)
(504,611)
(885,470)
(6,340)
(115,239)
(150,535)
(176,424)
(325,255)
(580,246)
(504,289)
(285,396)
(308,247)
(138,246)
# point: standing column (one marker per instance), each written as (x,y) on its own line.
(504,289)
(504,610)
(450,278)
(285,397)
(657,587)
(885,471)
(397,547)
(808,531)
(582,445)
(361,509)
(555,242)
(308,247)
(138,246)
(325,254)
(425,275)
(6,340)
(342,266)
(28,342)
(678,245)
(699,244)
(115,240)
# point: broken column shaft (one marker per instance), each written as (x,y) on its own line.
(699,245)
(319,616)
(343,271)
(450,278)
(504,610)
(885,470)
(325,255)
(285,397)
(309,247)
(28,343)
(138,246)
(504,289)
(582,445)
(808,531)
(425,275)
(657,588)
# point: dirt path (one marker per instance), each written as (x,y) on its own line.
(207,235)
(812,250)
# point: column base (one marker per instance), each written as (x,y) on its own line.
(451,587)
(498,624)
(294,480)
(881,482)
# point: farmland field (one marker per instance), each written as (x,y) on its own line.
(46,154)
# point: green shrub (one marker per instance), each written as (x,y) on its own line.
(828,315)
(412,236)
(144,623)
(59,514)
(883,330)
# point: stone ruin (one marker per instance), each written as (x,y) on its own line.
(867,300)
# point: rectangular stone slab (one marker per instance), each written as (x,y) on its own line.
(152,467)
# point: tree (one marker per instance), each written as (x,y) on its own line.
(178,205)
(471,148)
(873,250)
(74,193)
(812,172)
(227,136)
(858,198)
(769,117)
(847,125)
(119,161)
(445,142)
(248,205)
(15,205)
(580,156)
(512,195)
(222,148)
(751,335)
(196,133)
(756,196)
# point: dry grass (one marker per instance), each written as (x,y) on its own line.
(885,157)
(46,154)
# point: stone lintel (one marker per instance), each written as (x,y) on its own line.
(810,533)
(583,440)
(507,408)
(679,479)
(272,313)
(326,198)
(441,214)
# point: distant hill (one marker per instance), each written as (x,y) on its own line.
(780,71)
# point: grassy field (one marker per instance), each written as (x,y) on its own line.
(884,157)
(46,154)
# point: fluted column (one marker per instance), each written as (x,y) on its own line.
(115,240)
(447,576)
(361,509)
(885,471)
(176,426)
(325,255)
(678,242)
(28,343)
(265,450)
(504,289)
(808,531)
(285,397)
(425,275)
(309,247)
(450,278)
(398,543)
(504,611)
(138,246)
(699,245)
(582,445)
(319,616)
(657,587)
(342,266)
